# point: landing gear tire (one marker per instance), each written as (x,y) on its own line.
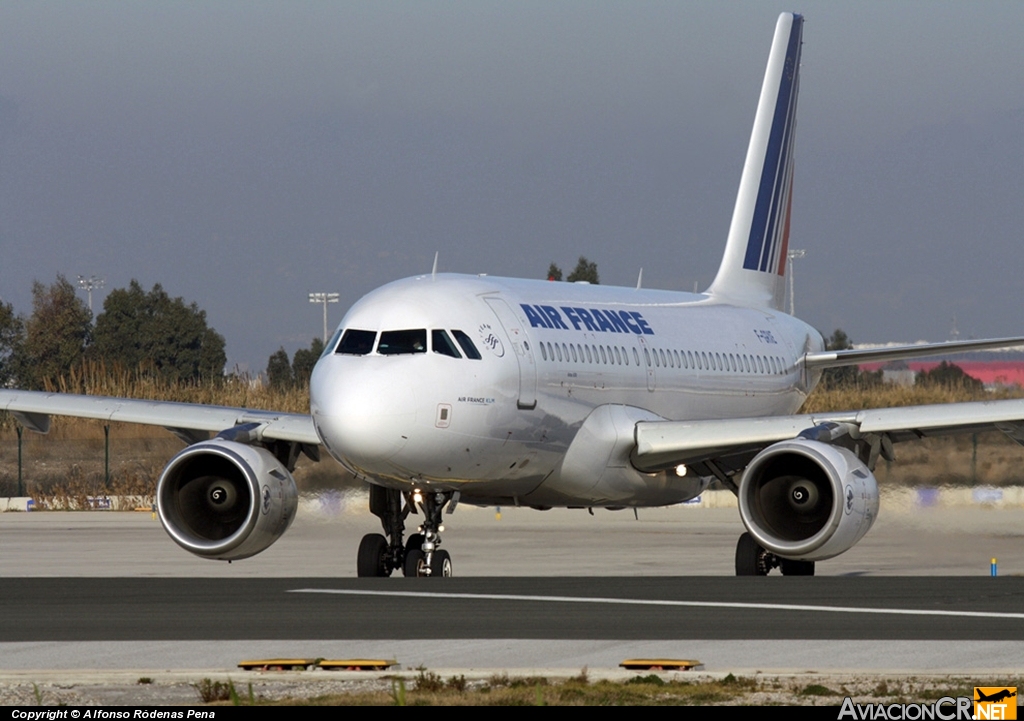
(415,563)
(796,568)
(750,557)
(372,559)
(414,542)
(441,565)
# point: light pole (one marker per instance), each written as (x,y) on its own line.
(88,284)
(324,298)
(791,256)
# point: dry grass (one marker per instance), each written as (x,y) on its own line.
(428,689)
(889,396)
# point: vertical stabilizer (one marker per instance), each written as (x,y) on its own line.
(754,265)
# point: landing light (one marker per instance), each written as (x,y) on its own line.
(681,470)
(417,497)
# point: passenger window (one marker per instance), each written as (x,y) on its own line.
(636,356)
(441,343)
(543,351)
(403,342)
(467,345)
(357,342)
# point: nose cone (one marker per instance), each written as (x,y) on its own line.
(364,408)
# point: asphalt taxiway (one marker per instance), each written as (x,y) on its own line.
(558,589)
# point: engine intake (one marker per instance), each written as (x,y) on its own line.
(807,500)
(224,500)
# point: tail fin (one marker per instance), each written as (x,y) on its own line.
(754,265)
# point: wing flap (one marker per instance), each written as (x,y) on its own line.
(293,427)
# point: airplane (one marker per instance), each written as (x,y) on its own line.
(444,389)
(996,697)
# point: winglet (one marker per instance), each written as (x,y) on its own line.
(754,264)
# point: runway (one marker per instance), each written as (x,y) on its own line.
(110,591)
(163,609)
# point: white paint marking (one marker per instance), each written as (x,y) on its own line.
(653,602)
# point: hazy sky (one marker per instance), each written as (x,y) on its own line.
(243,154)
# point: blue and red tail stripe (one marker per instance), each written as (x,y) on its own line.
(769,229)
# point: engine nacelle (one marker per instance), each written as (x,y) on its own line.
(225,500)
(807,500)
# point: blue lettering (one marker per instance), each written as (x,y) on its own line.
(571,315)
(553,318)
(585,317)
(616,321)
(630,323)
(643,324)
(531,315)
(602,322)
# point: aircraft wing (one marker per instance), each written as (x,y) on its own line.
(666,444)
(835,358)
(189,421)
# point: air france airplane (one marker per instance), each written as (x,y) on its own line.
(443,389)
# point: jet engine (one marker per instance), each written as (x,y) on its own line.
(225,500)
(806,500)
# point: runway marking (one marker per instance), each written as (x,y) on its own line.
(655,602)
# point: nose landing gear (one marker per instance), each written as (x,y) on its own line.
(428,559)
(419,555)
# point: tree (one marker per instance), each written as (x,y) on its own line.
(951,376)
(554,272)
(304,360)
(158,334)
(279,370)
(843,375)
(584,270)
(56,334)
(12,346)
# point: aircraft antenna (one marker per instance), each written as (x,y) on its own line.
(433,272)
(640,279)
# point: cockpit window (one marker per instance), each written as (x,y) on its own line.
(329,348)
(357,342)
(441,343)
(399,342)
(467,345)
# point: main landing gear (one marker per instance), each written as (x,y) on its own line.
(417,556)
(754,560)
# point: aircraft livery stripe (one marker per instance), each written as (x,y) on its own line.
(771,195)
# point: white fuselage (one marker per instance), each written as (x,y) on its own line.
(497,429)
